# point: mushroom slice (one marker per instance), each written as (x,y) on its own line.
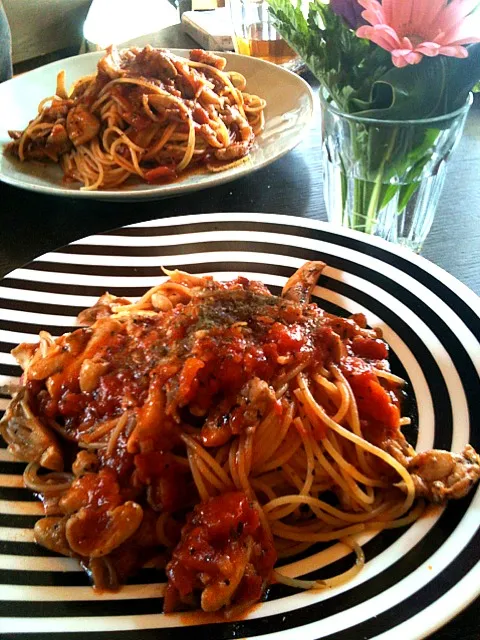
(85,462)
(90,373)
(24,353)
(95,534)
(29,440)
(50,533)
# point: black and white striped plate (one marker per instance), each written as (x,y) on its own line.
(415,579)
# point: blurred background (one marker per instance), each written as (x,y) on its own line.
(48,30)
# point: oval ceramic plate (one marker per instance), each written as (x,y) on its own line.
(288,114)
(415,578)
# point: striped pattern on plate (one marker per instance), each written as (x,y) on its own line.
(415,578)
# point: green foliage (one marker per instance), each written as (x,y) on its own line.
(345,65)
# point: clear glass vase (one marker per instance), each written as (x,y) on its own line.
(385,177)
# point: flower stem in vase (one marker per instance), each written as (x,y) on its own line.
(370,196)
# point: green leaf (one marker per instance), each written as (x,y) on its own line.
(434,87)
(345,65)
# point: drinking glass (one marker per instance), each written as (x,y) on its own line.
(254,34)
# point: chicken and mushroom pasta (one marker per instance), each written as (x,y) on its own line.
(211,428)
(146,113)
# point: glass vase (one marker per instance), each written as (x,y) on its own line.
(385,177)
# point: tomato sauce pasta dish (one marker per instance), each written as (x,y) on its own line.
(211,428)
(147,113)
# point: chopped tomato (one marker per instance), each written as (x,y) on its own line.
(287,338)
(371,348)
(160,173)
(227,513)
(154,464)
(373,401)
(189,380)
(169,490)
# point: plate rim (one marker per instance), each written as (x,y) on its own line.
(473,299)
(176,188)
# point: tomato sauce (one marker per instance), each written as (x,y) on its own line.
(191,367)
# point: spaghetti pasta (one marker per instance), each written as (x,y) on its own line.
(222,427)
(146,113)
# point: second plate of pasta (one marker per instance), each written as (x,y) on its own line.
(286,98)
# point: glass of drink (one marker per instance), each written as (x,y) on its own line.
(254,34)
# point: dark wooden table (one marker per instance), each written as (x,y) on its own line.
(34,224)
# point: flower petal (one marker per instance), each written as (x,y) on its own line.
(387,11)
(376,36)
(383,35)
(399,61)
(456,14)
(402,14)
(467,31)
(444,25)
(373,11)
(401,58)
(470,40)
(427,14)
(429,49)
(454,52)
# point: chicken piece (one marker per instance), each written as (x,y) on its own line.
(399,448)
(14,135)
(85,462)
(24,354)
(57,142)
(239,148)
(110,64)
(253,402)
(58,110)
(235,151)
(441,475)
(299,287)
(42,147)
(150,62)
(31,152)
(147,62)
(82,125)
(256,398)
(207,57)
(168,102)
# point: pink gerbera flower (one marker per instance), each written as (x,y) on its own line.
(411,29)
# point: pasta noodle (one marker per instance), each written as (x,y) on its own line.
(222,427)
(146,113)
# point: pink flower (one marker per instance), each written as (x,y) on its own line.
(411,29)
